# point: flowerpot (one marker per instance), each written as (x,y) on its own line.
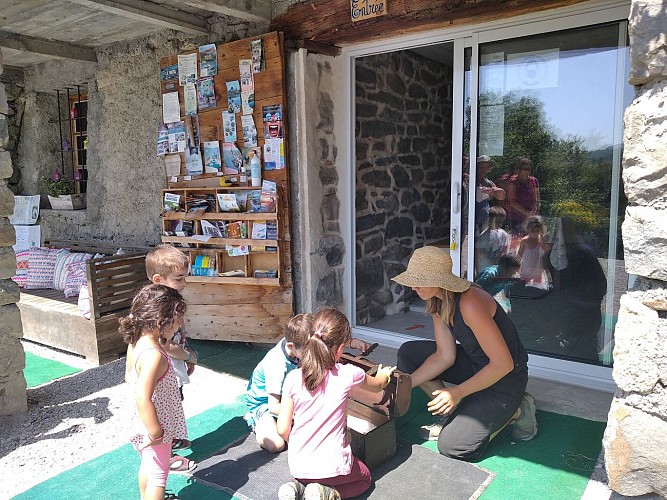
(68,201)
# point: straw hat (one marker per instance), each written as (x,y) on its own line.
(431,266)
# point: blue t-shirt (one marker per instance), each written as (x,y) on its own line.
(488,279)
(268,376)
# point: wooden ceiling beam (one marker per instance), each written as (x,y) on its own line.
(328,22)
(260,11)
(46,47)
(149,12)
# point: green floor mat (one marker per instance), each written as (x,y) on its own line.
(556,464)
(235,358)
(40,370)
(113,476)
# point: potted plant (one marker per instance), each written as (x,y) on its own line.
(60,193)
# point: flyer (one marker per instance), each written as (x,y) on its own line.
(162,140)
(208,60)
(229,126)
(190,99)
(187,68)
(248,102)
(257,51)
(212,161)
(245,70)
(233,159)
(273,121)
(233,96)
(171,110)
(206,93)
(249,131)
(176,137)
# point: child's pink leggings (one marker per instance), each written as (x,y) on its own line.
(155,464)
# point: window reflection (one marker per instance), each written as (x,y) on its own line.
(547,162)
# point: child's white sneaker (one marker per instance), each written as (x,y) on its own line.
(292,490)
(317,491)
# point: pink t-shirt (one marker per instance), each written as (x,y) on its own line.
(318,446)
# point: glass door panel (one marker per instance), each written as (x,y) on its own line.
(550,137)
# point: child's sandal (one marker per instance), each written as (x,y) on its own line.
(179,464)
(180,444)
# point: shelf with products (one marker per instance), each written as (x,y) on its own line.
(225,246)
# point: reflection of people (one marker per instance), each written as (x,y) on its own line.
(493,241)
(497,278)
(523,195)
(532,250)
(313,414)
(581,285)
(488,364)
(486,193)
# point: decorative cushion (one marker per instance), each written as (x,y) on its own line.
(41,267)
(76,278)
(21,276)
(60,271)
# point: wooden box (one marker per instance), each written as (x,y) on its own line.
(371,416)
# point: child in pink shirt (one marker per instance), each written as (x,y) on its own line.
(313,417)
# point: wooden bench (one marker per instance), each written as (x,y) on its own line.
(53,320)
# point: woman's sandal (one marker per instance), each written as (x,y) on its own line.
(180,444)
(179,464)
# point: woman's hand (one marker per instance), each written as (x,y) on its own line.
(444,401)
(359,345)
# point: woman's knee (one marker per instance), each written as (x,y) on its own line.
(412,354)
(461,446)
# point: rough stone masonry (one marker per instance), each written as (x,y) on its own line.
(634,442)
(12,382)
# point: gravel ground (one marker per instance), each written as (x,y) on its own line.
(80,417)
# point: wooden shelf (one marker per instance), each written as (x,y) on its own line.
(221,216)
(220,241)
(233,280)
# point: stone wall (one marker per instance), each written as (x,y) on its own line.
(12,382)
(403,148)
(634,442)
(124,111)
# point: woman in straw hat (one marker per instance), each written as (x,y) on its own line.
(487,366)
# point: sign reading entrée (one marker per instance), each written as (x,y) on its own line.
(366,9)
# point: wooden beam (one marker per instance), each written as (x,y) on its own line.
(316,48)
(259,11)
(46,47)
(329,22)
(149,12)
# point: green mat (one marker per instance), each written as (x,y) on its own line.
(40,370)
(556,464)
(113,476)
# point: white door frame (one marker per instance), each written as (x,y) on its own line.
(596,12)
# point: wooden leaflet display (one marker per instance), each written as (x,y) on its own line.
(372,416)
(244,307)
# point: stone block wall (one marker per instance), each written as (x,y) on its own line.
(403,171)
(634,442)
(12,382)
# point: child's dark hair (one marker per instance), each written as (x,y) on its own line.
(165,260)
(331,329)
(498,214)
(298,329)
(153,307)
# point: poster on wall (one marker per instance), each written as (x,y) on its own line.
(171,109)
(233,97)
(190,99)
(212,160)
(273,121)
(206,93)
(229,126)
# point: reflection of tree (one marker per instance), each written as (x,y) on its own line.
(573,180)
